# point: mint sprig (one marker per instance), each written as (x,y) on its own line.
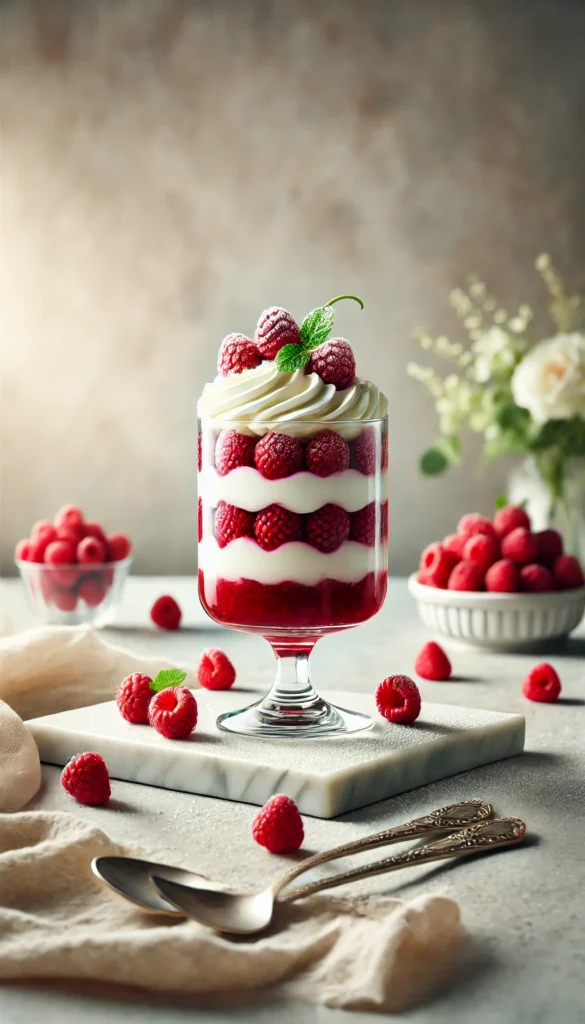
(168,677)
(315,329)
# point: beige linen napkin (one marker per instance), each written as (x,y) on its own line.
(57,921)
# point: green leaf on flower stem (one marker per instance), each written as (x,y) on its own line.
(507,442)
(316,327)
(512,417)
(439,457)
(168,677)
(566,435)
(291,358)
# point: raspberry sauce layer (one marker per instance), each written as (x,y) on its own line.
(244,559)
(303,492)
(328,605)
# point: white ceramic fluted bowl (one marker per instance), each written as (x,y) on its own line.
(498,620)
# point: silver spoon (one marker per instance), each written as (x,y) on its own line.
(246,913)
(132,878)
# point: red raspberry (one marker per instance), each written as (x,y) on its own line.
(278,826)
(483,550)
(542,684)
(549,545)
(436,565)
(43,531)
(92,590)
(398,700)
(328,527)
(474,523)
(165,613)
(72,534)
(22,551)
(133,698)
(334,361)
(465,576)
(276,327)
(86,778)
(69,515)
(536,579)
(432,663)
(237,353)
(510,518)
(455,542)
(215,670)
(119,547)
(95,530)
(276,525)
(90,550)
(64,599)
(520,546)
(568,573)
(233,450)
(503,577)
(327,453)
(278,455)
(36,550)
(362,525)
(232,522)
(173,712)
(363,452)
(59,553)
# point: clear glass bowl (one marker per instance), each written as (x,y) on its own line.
(294,587)
(68,595)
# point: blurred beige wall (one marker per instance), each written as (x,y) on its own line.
(171,168)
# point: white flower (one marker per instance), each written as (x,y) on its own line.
(550,379)
(493,349)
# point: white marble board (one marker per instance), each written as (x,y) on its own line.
(325,777)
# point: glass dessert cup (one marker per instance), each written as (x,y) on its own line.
(293,558)
(69,595)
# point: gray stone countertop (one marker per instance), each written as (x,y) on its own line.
(524,908)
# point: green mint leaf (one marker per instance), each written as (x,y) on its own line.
(168,677)
(291,358)
(316,327)
(501,501)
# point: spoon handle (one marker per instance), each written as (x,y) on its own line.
(485,835)
(444,819)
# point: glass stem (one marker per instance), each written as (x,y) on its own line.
(292,695)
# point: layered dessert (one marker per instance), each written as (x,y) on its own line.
(292,482)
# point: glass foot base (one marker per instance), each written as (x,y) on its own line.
(320,719)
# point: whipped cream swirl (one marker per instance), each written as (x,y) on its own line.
(266,395)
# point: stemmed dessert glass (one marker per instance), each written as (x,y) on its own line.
(292,557)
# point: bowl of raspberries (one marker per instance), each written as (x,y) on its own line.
(497,583)
(73,571)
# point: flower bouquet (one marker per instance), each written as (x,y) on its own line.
(524,391)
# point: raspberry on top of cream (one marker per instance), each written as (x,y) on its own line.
(307,379)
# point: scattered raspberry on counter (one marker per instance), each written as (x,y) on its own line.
(432,663)
(86,778)
(215,670)
(542,684)
(278,826)
(166,613)
(398,700)
(134,697)
(173,712)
